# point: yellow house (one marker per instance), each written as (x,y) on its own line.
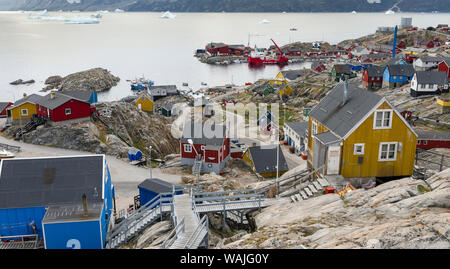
(144,102)
(263,160)
(443,104)
(23,109)
(357,134)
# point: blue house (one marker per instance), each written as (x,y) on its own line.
(397,75)
(66,201)
(152,187)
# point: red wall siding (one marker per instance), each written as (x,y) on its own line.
(433,144)
(444,68)
(79,110)
(5,112)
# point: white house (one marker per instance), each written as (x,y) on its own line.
(295,134)
(428,82)
(427,62)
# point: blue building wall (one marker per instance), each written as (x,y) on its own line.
(16,221)
(108,205)
(146,195)
(389,78)
(69,235)
(93,99)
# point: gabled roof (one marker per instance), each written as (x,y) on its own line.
(431,77)
(327,138)
(32,98)
(33,182)
(156,185)
(299,127)
(375,71)
(433,135)
(342,69)
(401,70)
(3,105)
(432,59)
(57,100)
(292,74)
(265,158)
(203,133)
(338,118)
(215,45)
(81,95)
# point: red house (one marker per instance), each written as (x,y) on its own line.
(373,77)
(318,67)
(58,107)
(205,142)
(432,139)
(444,66)
(3,107)
(218,48)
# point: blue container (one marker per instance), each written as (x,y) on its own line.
(134,154)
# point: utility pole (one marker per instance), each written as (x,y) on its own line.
(150,161)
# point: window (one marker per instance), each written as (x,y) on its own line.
(418,142)
(203,147)
(383,119)
(388,152)
(314,128)
(68,111)
(187,148)
(358,149)
(425,142)
(24,112)
(422,86)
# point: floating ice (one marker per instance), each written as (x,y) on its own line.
(118,10)
(38,15)
(168,15)
(81,20)
(96,15)
(265,21)
(389,12)
(353,12)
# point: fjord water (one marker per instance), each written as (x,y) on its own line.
(136,44)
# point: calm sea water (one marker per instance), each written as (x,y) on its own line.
(135,44)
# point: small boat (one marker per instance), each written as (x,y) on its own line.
(204,83)
(141,84)
(185,84)
(293,29)
(6,154)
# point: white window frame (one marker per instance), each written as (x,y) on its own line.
(425,142)
(22,110)
(355,146)
(70,111)
(203,147)
(387,159)
(314,128)
(187,148)
(391,113)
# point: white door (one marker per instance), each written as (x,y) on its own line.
(334,156)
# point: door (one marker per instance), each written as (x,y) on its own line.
(334,156)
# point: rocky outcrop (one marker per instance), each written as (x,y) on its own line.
(405,213)
(96,79)
(20,82)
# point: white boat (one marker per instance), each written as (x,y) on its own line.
(6,154)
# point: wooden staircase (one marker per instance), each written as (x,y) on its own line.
(314,189)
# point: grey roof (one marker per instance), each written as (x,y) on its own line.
(265,158)
(52,103)
(433,59)
(36,182)
(375,71)
(342,69)
(292,74)
(374,56)
(341,119)
(431,77)
(327,138)
(216,45)
(156,185)
(3,105)
(58,213)
(298,127)
(401,70)
(79,95)
(433,135)
(241,47)
(32,98)
(201,133)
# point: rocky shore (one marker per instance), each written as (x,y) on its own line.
(95,79)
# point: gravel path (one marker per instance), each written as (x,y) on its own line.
(124,176)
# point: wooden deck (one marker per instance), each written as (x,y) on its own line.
(183,209)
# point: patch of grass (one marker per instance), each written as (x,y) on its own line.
(423,189)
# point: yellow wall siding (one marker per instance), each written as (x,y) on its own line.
(371,138)
(146,103)
(16,113)
(320,129)
(247,158)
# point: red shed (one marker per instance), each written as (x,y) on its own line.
(433,139)
(218,48)
(58,107)
(3,107)
(444,66)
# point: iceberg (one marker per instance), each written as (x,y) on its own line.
(96,15)
(353,12)
(39,15)
(118,10)
(81,20)
(168,15)
(265,21)
(389,12)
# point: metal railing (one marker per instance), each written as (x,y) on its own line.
(8,147)
(150,207)
(174,235)
(19,240)
(202,227)
(433,160)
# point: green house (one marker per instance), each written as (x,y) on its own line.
(341,71)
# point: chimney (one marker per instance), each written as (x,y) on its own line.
(52,95)
(24,95)
(345,97)
(85,206)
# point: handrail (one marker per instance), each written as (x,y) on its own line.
(231,197)
(223,192)
(174,234)
(224,202)
(22,238)
(153,204)
(203,225)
